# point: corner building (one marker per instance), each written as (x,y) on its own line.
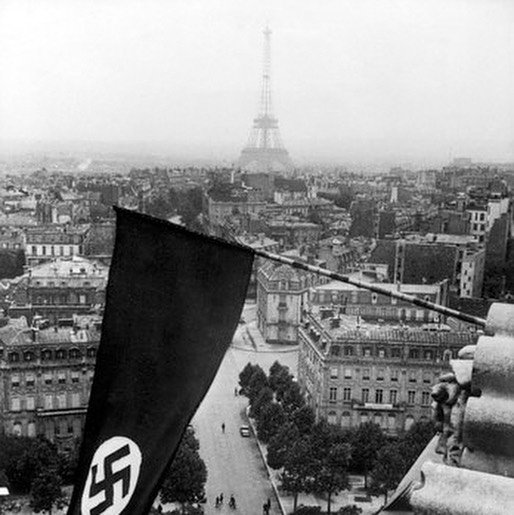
(351,374)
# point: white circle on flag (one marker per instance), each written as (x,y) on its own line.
(112,477)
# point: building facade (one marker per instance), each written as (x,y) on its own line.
(59,289)
(44,243)
(377,374)
(45,381)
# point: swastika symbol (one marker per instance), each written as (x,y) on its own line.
(112,477)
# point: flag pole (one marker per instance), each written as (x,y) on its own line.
(372,287)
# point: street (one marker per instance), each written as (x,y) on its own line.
(234,465)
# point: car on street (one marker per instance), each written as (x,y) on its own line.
(245,431)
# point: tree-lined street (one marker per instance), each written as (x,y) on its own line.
(233,462)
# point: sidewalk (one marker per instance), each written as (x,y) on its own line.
(250,339)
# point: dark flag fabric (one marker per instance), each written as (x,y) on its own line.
(173,302)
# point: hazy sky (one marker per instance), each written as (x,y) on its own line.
(356,79)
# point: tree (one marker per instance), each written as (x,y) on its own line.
(299,472)
(185,478)
(388,469)
(272,417)
(303,418)
(331,474)
(246,375)
(26,458)
(280,379)
(280,444)
(257,382)
(264,397)
(413,442)
(367,441)
(292,398)
(46,491)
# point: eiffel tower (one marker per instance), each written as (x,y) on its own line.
(264,151)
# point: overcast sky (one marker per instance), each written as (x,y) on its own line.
(356,79)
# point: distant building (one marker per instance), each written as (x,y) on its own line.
(45,381)
(371,373)
(337,254)
(59,289)
(371,306)
(432,258)
(292,233)
(44,243)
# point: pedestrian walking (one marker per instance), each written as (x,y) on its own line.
(268,502)
(235,391)
(223,427)
(217,501)
(232,502)
(221,498)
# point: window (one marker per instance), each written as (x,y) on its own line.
(347,394)
(367,352)
(412,377)
(91,375)
(14,357)
(91,352)
(34,250)
(30,380)
(60,354)
(345,419)
(409,420)
(61,401)
(429,355)
(411,397)
(49,401)
(347,373)
(31,429)
(374,298)
(334,372)
(15,404)
(332,417)
(364,418)
(348,351)
(28,356)
(31,405)
(61,378)
(396,352)
(74,376)
(46,355)
(425,398)
(48,378)
(393,396)
(391,421)
(427,378)
(74,353)
(394,375)
(381,353)
(365,395)
(379,396)
(377,419)
(75,400)
(413,353)
(15,380)
(365,374)
(332,394)
(380,374)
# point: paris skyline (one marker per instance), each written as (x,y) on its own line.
(351,80)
